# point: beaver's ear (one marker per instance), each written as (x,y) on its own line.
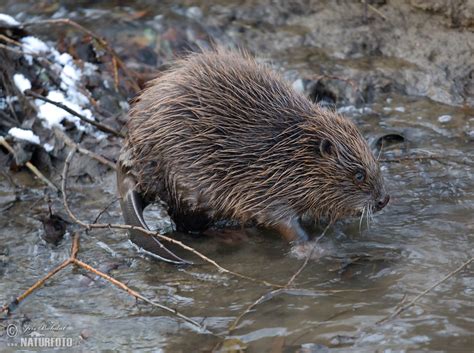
(326,148)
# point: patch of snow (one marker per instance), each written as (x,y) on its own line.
(69,76)
(65,59)
(77,97)
(5,101)
(11,99)
(53,115)
(89,68)
(387,109)
(26,135)
(48,147)
(8,20)
(34,45)
(99,135)
(70,93)
(445,118)
(21,82)
(29,59)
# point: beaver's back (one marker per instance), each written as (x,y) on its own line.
(219,132)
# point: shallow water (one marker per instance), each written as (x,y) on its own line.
(359,277)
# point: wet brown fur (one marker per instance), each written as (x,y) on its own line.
(224,135)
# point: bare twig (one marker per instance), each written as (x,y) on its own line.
(105,209)
(19,50)
(29,165)
(372,8)
(116,75)
(275,292)
(7,308)
(100,126)
(402,308)
(14,50)
(135,294)
(9,40)
(146,231)
(68,141)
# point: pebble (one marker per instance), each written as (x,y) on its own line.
(298,85)
(445,118)
(194,12)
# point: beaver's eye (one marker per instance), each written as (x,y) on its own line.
(359,176)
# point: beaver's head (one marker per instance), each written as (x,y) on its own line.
(346,175)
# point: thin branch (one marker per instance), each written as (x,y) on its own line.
(372,8)
(100,126)
(276,292)
(116,75)
(89,226)
(135,294)
(9,40)
(73,260)
(29,165)
(13,50)
(68,141)
(9,307)
(414,300)
(306,260)
(105,209)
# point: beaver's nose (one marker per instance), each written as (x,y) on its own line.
(382,202)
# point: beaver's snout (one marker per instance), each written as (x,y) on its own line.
(382,202)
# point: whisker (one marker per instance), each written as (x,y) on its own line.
(361,218)
(369,210)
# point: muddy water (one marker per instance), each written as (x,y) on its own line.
(359,276)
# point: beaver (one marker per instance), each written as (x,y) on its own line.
(221,136)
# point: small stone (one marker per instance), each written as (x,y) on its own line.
(194,12)
(298,85)
(445,118)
